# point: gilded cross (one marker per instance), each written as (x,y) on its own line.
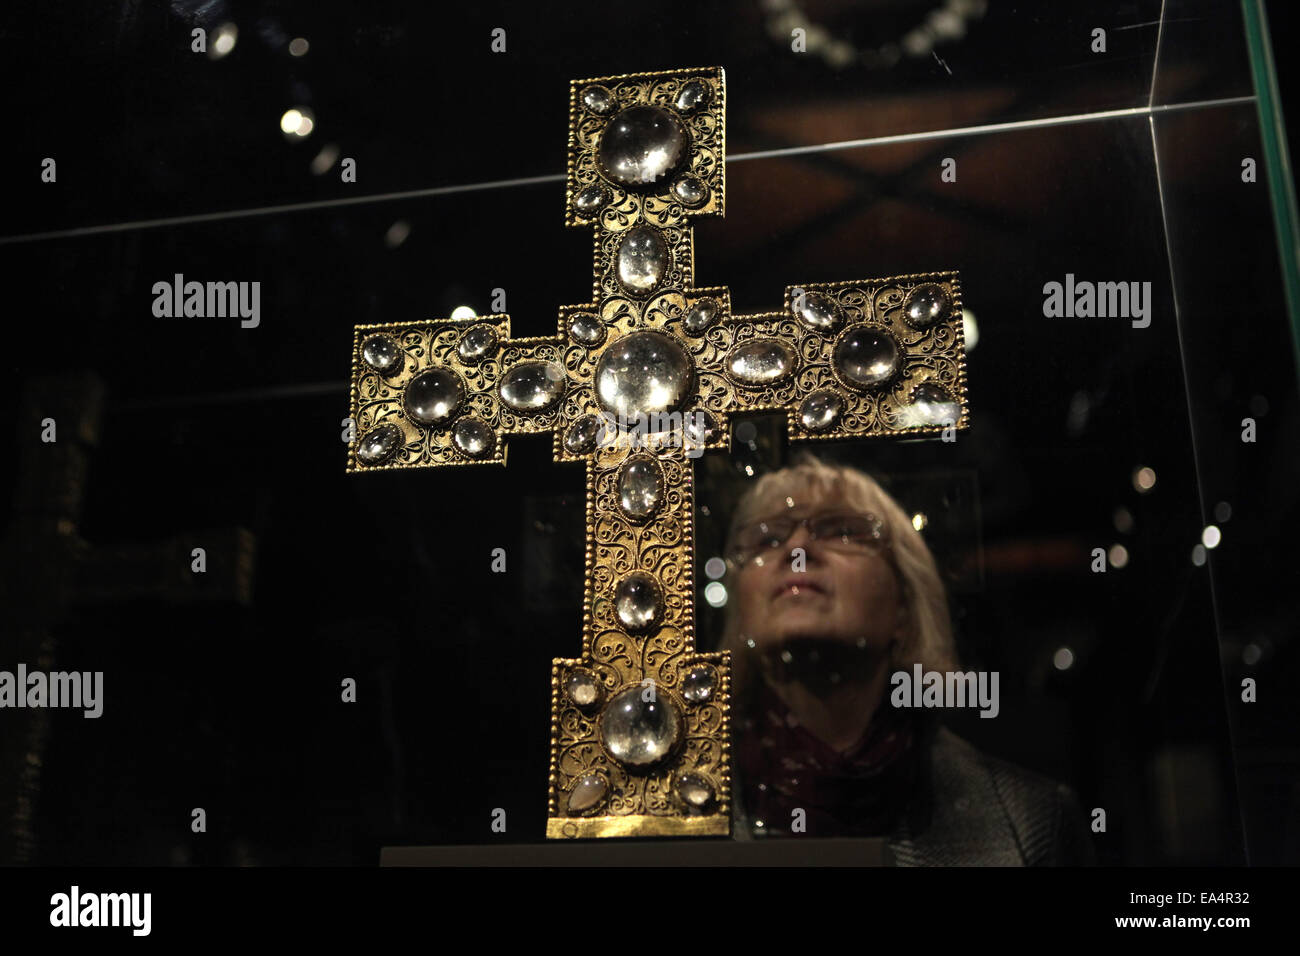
(636,383)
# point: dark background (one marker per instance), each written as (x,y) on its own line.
(234,706)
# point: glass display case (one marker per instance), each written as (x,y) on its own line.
(301,664)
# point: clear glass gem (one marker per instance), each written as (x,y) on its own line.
(379,444)
(590,200)
(586,329)
(642,146)
(383,354)
(638,601)
(531,387)
(760,361)
(867,357)
(701,316)
(817,311)
(932,405)
(583,688)
(640,483)
(643,372)
(641,726)
(588,791)
(691,191)
(698,684)
(476,343)
(583,434)
(473,436)
(432,397)
(925,305)
(693,789)
(598,99)
(642,260)
(820,410)
(692,96)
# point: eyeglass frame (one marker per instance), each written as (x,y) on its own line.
(880,542)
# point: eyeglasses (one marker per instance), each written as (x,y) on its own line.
(849,531)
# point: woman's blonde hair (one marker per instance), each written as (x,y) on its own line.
(928,637)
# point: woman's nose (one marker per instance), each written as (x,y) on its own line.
(801,539)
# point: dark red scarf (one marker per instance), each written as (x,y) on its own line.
(783,766)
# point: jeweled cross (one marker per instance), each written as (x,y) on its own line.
(639,722)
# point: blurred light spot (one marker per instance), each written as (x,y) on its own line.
(463,312)
(1118,556)
(789,502)
(787,657)
(1250,654)
(1144,479)
(749,642)
(397,233)
(715,593)
(297,122)
(749,471)
(1210,537)
(970,329)
(1258,406)
(715,568)
(298,46)
(325,159)
(1198,555)
(223,41)
(1123,520)
(1063,659)
(746,432)
(1222,512)
(919,521)
(1076,419)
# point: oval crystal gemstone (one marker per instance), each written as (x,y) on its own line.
(473,436)
(590,200)
(820,410)
(640,483)
(476,343)
(641,726)
(587,792)
(582,687)
(379,444)
(932,405)
(701,316)
(583,434)
(691,191)
(925,305)
(383,354)
(643,373)
(692,96)
(432,397)
(817,311)
(642,146)
(698,684)
(642,260)
(693,789)
(586,329)
(867,357)
(638,601)
(531,387)
(597,99)
(760,361)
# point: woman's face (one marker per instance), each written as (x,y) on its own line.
(847,596)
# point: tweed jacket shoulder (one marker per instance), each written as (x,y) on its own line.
(971,809)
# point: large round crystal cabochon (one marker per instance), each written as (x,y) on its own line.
(641,726)
(432,397)
(643,372)
(642,146)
